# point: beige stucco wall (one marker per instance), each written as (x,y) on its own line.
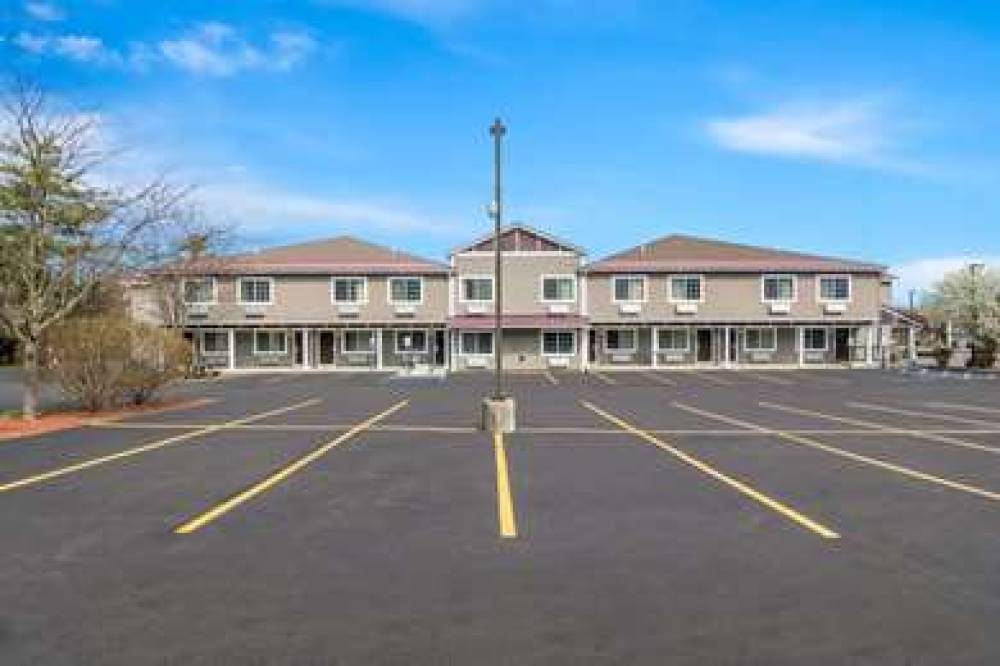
(732,297)
(522,279)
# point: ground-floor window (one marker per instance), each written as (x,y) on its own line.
(214,342)
(270,342)
(358,342)
(760,339)
(558,343)
(815,339)
(620,340)
(411,341)
(477,343)
(673,339)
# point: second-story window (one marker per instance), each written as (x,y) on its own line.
(349,290)
(778,288)
(558,288)
(406,290)
(199,290)
(834,288)
(477,289)
(256,290)
(629,288)
(685,288)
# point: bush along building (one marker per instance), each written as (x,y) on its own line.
(675,302)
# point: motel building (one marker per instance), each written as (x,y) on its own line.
(675,302)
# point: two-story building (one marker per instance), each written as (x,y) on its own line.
(678,301)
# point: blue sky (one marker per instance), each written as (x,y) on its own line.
(862,129)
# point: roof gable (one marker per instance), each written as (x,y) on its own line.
(520,237)
(678,252)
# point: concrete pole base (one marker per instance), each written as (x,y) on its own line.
(498,414)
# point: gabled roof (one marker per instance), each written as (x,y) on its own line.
(678,252)
(520,237)
(339,255)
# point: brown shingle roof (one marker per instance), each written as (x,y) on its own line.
(341,255)
(677,252)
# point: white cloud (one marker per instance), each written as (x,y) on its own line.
(428,12)
(44,11)
(217,49)
(79,48)
(854,131)
(922,274)
(259,209)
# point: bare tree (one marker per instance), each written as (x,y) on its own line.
(63,230)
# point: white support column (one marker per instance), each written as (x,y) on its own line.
(583,345)
(378,348)
(869,345)
(911,343)
(801,332)
(654,344)
(725,347)
(232,349)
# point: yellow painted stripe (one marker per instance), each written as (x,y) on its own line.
(604,378)
(961,407)
(282,474)
(505,499)
(756,495)
(152,446)
(550,378)
(933,416)
(881,427)
(659,379)
(850,455)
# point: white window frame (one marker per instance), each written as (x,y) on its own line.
(686,276)
(396,278)
(269,331)
(557,276)
(479,276)
(358,352)
(614,290)
(423,350)
(557,354)
(826,338)
(774,339)
(255,278)
(795,287)
(631,350)
(461,346)
(364,289)
(687,339)
(214,352)
(215,290)
(819,288)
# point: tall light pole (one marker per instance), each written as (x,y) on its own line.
(497,130)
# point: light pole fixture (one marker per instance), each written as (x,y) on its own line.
(497,131)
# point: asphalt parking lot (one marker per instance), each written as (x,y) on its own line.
(654,517)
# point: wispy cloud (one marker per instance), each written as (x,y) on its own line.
(44,11)
(426,12)
(855,131)
(922,274)
(217,49)
(79,48)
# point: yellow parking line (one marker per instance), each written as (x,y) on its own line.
(961,407)
(707,376)
(550,378)
(159,444)
(934,416)
(660,379)
(282,474)
(850,455)
(505,499)
(604,378)
(703,467)
(881,427)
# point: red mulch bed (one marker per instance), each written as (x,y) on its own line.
(12,428)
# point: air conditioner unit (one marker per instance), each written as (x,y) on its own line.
(197,309)
(558,362)
(406,310)
(348,310)
(475,362)
(254,309)
(559,308)
(760,356)
(478,308)
(621,358)
(673,358)
(780,308)
(686,308)
(630,308)
(835,308)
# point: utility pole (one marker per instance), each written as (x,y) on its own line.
(497,130)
